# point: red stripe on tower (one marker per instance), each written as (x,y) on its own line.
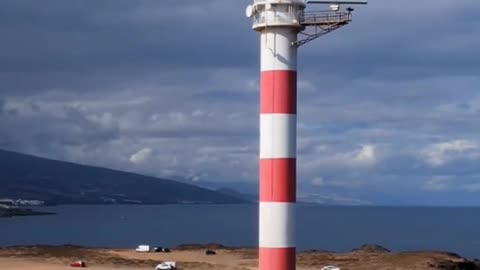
(277,258)
(277,180)
(278,91)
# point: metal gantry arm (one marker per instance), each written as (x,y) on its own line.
(323,23)
(319,31)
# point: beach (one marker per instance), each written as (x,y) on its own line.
(195,258)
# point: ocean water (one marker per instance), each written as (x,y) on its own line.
(324,228)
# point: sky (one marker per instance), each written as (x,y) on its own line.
(388,106)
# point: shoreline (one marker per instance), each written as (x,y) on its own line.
(372,248)
(193,256)
(12,212)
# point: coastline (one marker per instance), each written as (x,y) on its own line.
(21,212)
(193,256)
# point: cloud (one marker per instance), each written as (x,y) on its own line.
(318,181)
(439,183)
(451,183)
(54,127)
(141,156)
(2,105)
(364,156)
(473,187)
(380,117)
(441,153)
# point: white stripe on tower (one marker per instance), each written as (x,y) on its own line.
(278,123)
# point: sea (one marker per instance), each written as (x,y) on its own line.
(332,228)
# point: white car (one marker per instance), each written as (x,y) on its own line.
(166,266)
(330,267)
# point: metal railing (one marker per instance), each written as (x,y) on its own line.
(294,1)
(262,18)
(324,18)
(310,18)
(322,22)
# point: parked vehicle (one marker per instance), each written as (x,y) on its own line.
(210,252)
(160,249)
(166,266)
(330,267)
(143,248)
(78,264)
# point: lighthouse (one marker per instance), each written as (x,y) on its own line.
(279,23)
(278,26)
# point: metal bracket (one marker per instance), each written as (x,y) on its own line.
(323,22)
(319,31)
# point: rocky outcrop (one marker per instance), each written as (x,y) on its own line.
(456,265)
(372,248)
(200,246)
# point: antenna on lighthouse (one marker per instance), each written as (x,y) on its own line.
(337,2)
(335,5)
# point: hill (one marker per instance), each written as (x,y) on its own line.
(56,182)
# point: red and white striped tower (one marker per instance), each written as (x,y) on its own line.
(278,24)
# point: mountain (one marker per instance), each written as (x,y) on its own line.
(237,194)
(56,182)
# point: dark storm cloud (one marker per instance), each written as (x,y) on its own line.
(32,126)
(87,36)
(388,104)
(2,105)
(402,39)
(68,43)
(386,40)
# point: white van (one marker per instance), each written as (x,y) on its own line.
(143,248)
